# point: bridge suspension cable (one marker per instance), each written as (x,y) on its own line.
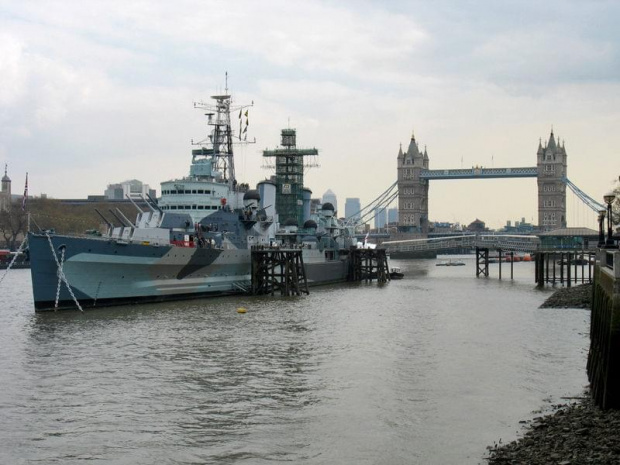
(585,198)
(368,212)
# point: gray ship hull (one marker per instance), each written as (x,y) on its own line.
(104,272)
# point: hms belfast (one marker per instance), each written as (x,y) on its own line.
(197,239)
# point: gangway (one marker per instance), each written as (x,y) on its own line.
(508,242)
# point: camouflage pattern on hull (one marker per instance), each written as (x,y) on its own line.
(106,272)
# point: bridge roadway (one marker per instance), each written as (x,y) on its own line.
(478,172)
(515,243)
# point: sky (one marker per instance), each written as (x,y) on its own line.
(98,92)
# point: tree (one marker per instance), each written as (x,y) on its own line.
(13,223)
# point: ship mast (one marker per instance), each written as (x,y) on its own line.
(219,144)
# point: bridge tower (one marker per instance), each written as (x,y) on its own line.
(551,164)
(412,189)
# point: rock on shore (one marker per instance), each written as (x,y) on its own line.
(577,433)
(570,297)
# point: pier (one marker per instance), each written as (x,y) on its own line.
(369,264)
(483,259)
(566,268)
(278,270)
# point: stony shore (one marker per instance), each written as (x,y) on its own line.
(575,433)
(570,297)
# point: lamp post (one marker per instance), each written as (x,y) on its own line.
(609,199)
(601,234)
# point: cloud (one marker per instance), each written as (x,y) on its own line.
(104,93)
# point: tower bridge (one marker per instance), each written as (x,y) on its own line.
(414,176)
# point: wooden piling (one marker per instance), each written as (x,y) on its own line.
(280,270)
(368,264)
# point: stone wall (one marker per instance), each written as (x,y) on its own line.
(604,354)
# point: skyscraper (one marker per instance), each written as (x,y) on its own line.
(380,217)
(352,207)
(393,215)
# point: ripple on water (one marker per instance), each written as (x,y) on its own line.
(429,369)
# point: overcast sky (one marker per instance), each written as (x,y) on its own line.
(97,92)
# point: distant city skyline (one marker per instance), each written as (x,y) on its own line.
(84,101)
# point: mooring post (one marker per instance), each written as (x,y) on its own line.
(500,262)
(540,258)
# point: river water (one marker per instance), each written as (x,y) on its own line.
(430,369)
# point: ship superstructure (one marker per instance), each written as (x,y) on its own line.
(289,162)
(211,183)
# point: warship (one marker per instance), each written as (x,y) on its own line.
(194,241)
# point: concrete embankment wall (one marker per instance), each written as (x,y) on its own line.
(604,354)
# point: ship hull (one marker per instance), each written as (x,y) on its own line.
(104,272)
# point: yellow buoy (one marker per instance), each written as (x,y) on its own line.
(241,310)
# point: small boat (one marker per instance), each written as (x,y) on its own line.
(395,273)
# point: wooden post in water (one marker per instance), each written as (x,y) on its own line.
(540,268)
(499,251)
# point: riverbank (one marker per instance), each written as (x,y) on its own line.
(570,297)
(574,433)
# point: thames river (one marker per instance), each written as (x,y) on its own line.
(430,369)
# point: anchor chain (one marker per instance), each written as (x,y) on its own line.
(21,247)
(61,274)
(62,260)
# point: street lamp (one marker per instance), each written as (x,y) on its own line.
(601,234)
(609,199)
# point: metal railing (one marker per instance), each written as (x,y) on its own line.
(515,243)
